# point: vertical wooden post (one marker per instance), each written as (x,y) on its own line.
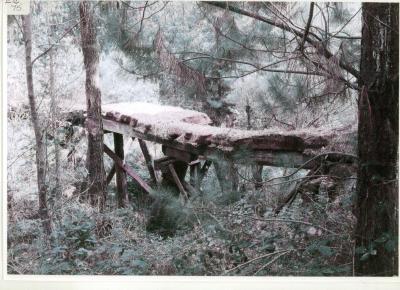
(110,175)
(203,170)
(195,175)
(226,175)
(147,157)
(192,174)
(122,187)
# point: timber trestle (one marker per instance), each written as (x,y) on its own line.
(190,143)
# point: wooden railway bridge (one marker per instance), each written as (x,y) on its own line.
(190,142)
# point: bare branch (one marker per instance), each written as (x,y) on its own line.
(141,21)
(138,7)
(310,16)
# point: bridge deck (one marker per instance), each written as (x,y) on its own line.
(191,132)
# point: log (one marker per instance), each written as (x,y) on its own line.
(128,170)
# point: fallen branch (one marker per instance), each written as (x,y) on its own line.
(258,258)
(272,261)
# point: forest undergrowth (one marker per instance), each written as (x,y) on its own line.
(213,233)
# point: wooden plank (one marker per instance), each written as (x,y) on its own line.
(147,157)
(177,181)
(128,170)
(110,175)
(122,186)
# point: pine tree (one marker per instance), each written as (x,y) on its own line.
(94,125)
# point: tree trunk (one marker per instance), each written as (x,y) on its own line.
(377,186)
(94,126)
(56,192)
(39,136)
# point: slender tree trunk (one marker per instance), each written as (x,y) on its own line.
(256,170)
(94,125)
(377,186)
(39,136)
(56,192)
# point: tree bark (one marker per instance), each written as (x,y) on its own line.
(377,185)
(39,136)
(94,126)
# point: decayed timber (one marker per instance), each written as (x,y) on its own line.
(188,131)
(128,170)
(177,181)
(186,134)
(147,157)
(122,187)
(163,162)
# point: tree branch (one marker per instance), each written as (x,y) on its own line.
(315,44)
(310,16)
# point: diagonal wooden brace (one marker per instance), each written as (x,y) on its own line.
(128,170)
(147,157)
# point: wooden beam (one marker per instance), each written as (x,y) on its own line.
(177,181)
(181,155)
(147,157)
(128,170)
(122,186)
(163,162)
(110,175)
(242,156)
